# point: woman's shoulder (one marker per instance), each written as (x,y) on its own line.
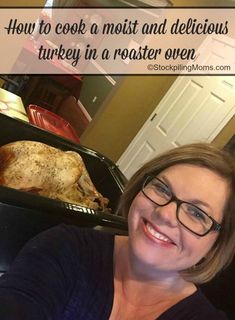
(59,268)
(64,233)
(66,238)
(193,307)
(66,245)
(81,232)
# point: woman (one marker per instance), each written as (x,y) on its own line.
(181,216)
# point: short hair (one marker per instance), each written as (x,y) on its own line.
(202,155)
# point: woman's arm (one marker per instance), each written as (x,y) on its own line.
(40,281)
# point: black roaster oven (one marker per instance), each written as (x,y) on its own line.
(23,215)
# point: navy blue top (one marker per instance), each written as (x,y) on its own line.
(66,273)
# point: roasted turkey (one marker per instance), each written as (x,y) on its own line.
(39,168)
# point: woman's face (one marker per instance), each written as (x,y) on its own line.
(157,239)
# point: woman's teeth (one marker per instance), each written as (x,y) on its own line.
(156,234)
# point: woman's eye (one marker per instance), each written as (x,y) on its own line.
(197,213)
(162,189)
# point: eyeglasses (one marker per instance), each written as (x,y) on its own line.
(189,215)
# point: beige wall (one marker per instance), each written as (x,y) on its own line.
(122,116)
(1,82)
(224,136)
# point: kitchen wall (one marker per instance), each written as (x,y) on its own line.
(123,114)
(224,136)
(130,104)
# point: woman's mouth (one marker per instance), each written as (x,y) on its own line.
(151,231)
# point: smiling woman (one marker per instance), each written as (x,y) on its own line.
(189,227)
(180,208)
(205,158)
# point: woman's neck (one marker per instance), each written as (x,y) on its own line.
(141,284)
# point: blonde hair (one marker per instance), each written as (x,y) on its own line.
(222,163)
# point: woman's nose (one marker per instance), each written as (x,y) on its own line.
(167,214)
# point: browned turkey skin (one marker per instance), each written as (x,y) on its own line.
(39,168)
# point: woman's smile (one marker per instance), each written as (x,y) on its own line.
(154,234)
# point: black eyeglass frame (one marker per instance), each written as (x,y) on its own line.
(215,225)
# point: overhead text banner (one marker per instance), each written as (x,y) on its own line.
(117,41)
